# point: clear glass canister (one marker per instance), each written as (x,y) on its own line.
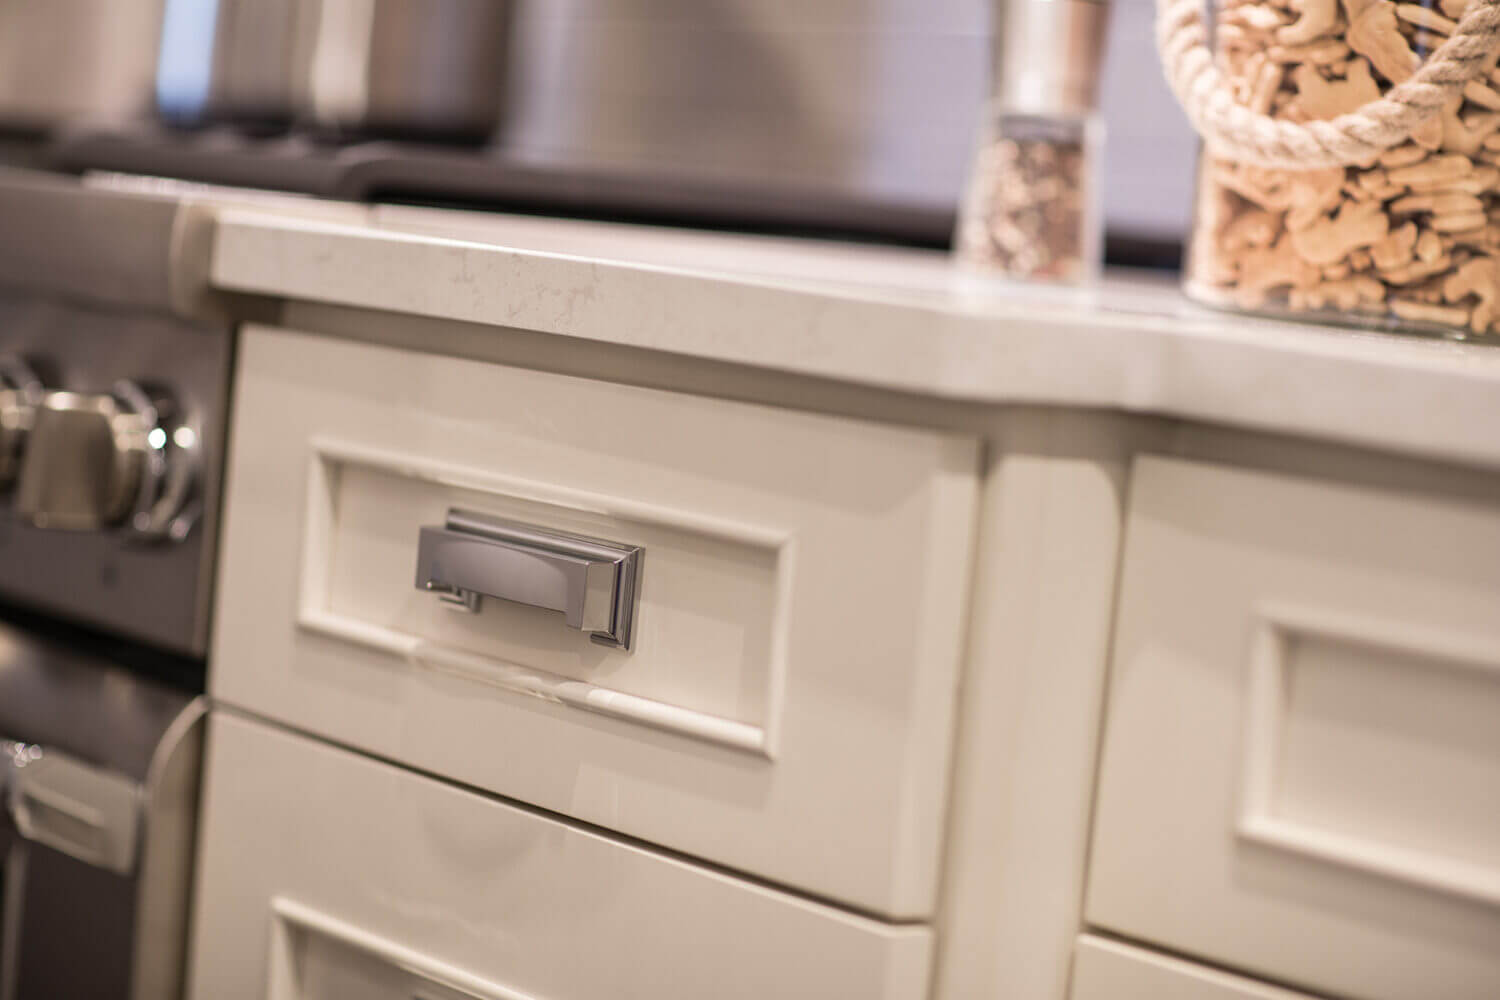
(1031,211)
(1409,240)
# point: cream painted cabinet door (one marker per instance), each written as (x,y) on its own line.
(326,875)
(786,704)
(1301,762)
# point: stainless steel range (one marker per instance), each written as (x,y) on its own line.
(113,386)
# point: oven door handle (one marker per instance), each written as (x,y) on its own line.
(85,812)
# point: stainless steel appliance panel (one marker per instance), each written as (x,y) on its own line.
(157,592)
(98,799)
(405,67)
(1151,152)
(240,60)
(876,98)
(423,68)
(63,60)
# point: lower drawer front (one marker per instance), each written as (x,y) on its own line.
(1108,970)
(325,875)
(1300,775)
(785,703)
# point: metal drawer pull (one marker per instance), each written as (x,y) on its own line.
(591,581)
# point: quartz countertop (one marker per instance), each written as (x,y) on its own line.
(883,317)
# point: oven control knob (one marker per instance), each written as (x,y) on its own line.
(118,458)
(20,392)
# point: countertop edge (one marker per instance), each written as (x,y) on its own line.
(1423,398)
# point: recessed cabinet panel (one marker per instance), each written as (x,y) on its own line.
(784,703)
(325,875)
(1301,766)
(709,642)
(1390,747)
(1108,970)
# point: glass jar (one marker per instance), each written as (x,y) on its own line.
(1408,240)
(1031,211)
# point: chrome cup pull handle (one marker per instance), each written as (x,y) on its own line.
(593,582)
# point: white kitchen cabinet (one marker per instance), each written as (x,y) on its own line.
(1109,970)
(1301,764)
(327,875)
(786,706)
(1234,706)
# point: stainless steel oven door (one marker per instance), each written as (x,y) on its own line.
(98,793)
(70,875)
(12,861)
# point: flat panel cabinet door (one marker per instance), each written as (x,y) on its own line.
(1301,767)
(1108,970)
(326,875)
(726,629)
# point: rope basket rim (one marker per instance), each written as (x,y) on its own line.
(1232,130)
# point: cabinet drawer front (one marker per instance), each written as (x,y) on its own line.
(1108,970)
(785,703)
(324,874)
(1301,767)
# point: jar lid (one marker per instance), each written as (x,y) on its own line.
(1051,54)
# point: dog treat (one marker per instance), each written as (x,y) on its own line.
(1412,237)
